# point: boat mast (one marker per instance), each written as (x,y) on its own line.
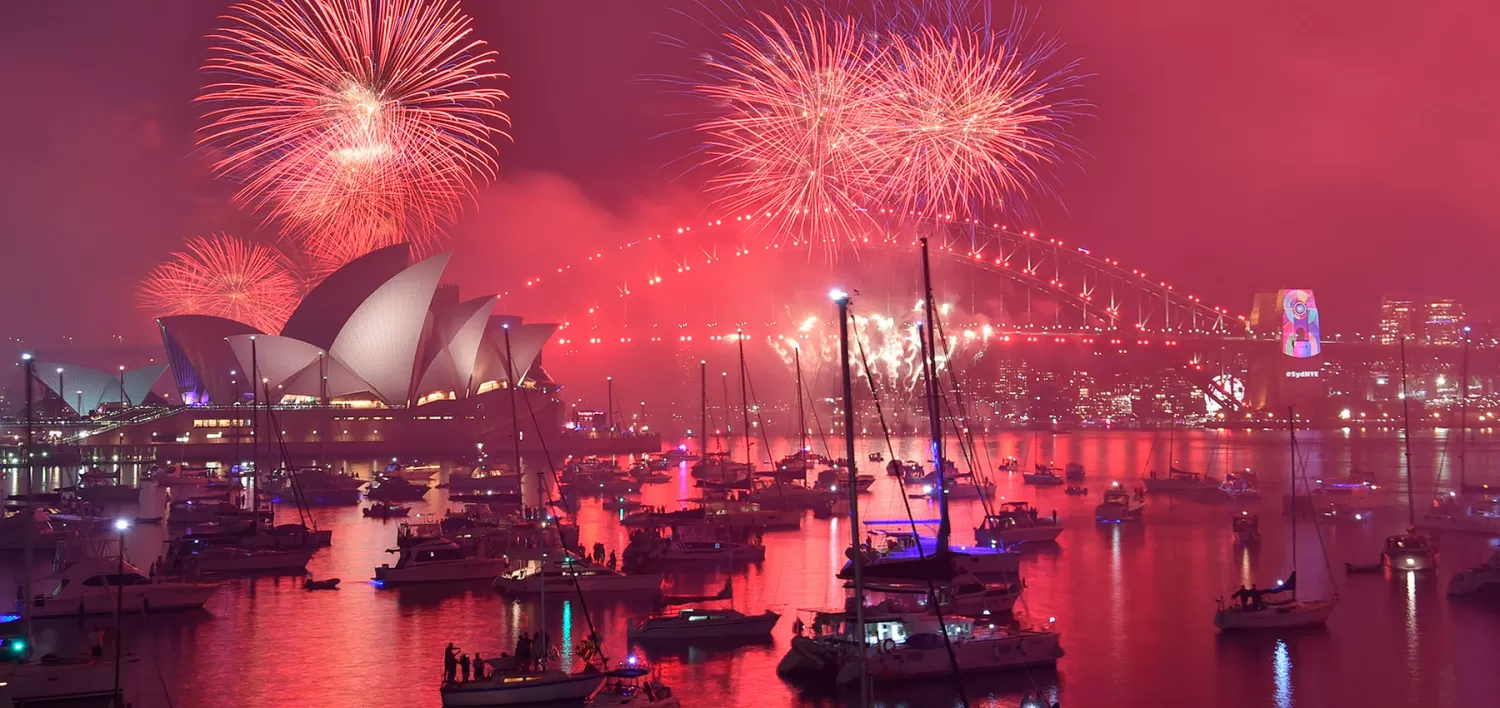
(801,412)
(29,529)
(1291,431)
(255,387)
(515,420)
(745,404)
(842,299)
(1463,413)
(703,412)
(1411,505)
(934,417)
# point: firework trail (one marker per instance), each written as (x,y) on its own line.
(971,119)
(225,277)
(791,132)
(355,124)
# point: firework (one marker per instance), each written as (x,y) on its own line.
(354,123)
(791,132)
(225,277)
(970,119)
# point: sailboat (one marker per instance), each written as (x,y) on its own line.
(1411,550)
(697,623)
(1469,509)
(1255,612)
(527,685)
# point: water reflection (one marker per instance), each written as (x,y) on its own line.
(1281,666)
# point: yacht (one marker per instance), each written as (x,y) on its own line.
(1017,522)
(46,534)
(963,595)
(702,623)
(787,496)
(1451,513)
(1240,487)
(396,489)
(1119,506)
(834,479)
(483,480)
(899,646)
(1482,579)
(203,511)
(94,585)
(688,550)
(1177,480)
(230,559)
(1073,472)
(902,555)
(438,560)
(524,688)
(1043,476)
(1410,551)
(747,515)
(1273,614)
(569,574)
(955,488)
(412,473)
(53,681)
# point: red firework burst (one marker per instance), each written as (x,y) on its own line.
(225,277)
(969,119)
(792,131)
(354,123)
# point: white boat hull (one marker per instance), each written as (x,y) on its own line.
(468,569)
(1040,533)
(1276,616)
(135,598)
(973,656)
(61,683)
(522,689)
(1475,581)
(1114,513)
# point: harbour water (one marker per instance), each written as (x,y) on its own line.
(1134,602)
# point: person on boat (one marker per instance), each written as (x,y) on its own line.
(612,560)
(463,667)
(478,667)
(598,552)
(523,652)
(1254,596)
(450,663)
(1054,517)
(1240,596)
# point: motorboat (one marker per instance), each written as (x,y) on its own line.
(1453,513)
(524,688)
(1076,490)
(396,489)
(702,623)
(1073,472)
(1410,551)
(227,559)
(413,473)
(1017,522)
(45,533)
(1246,527)
(484,480)
(688,550)
(1240,487)
(911,646)
(632,686)
(1177,480)
(571,574)
(438,560)
(1043,476)
(1483,579)
(965,594)
(748,515)
(262,536)
(382,510)
(202,511)
(833,480)
(954,487)
(58,681)
(316,487)
(787,496)
(94,585)
(905,555)
(1119,506)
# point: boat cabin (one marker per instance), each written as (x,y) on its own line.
(430,552)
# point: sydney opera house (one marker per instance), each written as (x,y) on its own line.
(378,358)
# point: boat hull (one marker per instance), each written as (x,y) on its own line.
(1279,616)
(134,598)
(1113,513)
(973,656)
(504,690)
(635,585)
(1042,480)
(742,627)
(263,561)
(1040,533)
(1475,581)
(1461,523)
(470,569)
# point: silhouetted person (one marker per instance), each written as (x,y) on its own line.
(612,560)
(1254,595)
(450,662)
(523,652)
(463,667)
(1241,596)
(478,667)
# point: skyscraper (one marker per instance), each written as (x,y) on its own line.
(1397,319)
(1443,321)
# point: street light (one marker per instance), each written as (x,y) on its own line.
(123,400)
(121,525)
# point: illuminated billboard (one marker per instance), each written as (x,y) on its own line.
(1299,324)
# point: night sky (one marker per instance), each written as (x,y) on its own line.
(1235,146)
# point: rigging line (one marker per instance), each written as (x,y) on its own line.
(963,434)
(543,493)
(1299,458)
(932,595)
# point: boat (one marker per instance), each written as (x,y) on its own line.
(325,584)
(877,456)
(1119,506)
(738,515)
(1177,480)
(56,681)
(203,511)
(572,574)
(832,480)
(316,487)
(1076,491)
(617,503)
(632,685)
(892,555)
(1278,607)
(1246,527)
(906,646)
(1239,487)
(396,489)
(94,585)
(412,473)
(1073,472)
(1017,522)
(1411,551)
(485,480)
(228,559)
(703,623)
(437,560)
(1482,579)
(954,487)
(1043,476)
(784,495)
(524,688)
(382,510)
(44,535)
(687,550)
(1456,514)
(963,595)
